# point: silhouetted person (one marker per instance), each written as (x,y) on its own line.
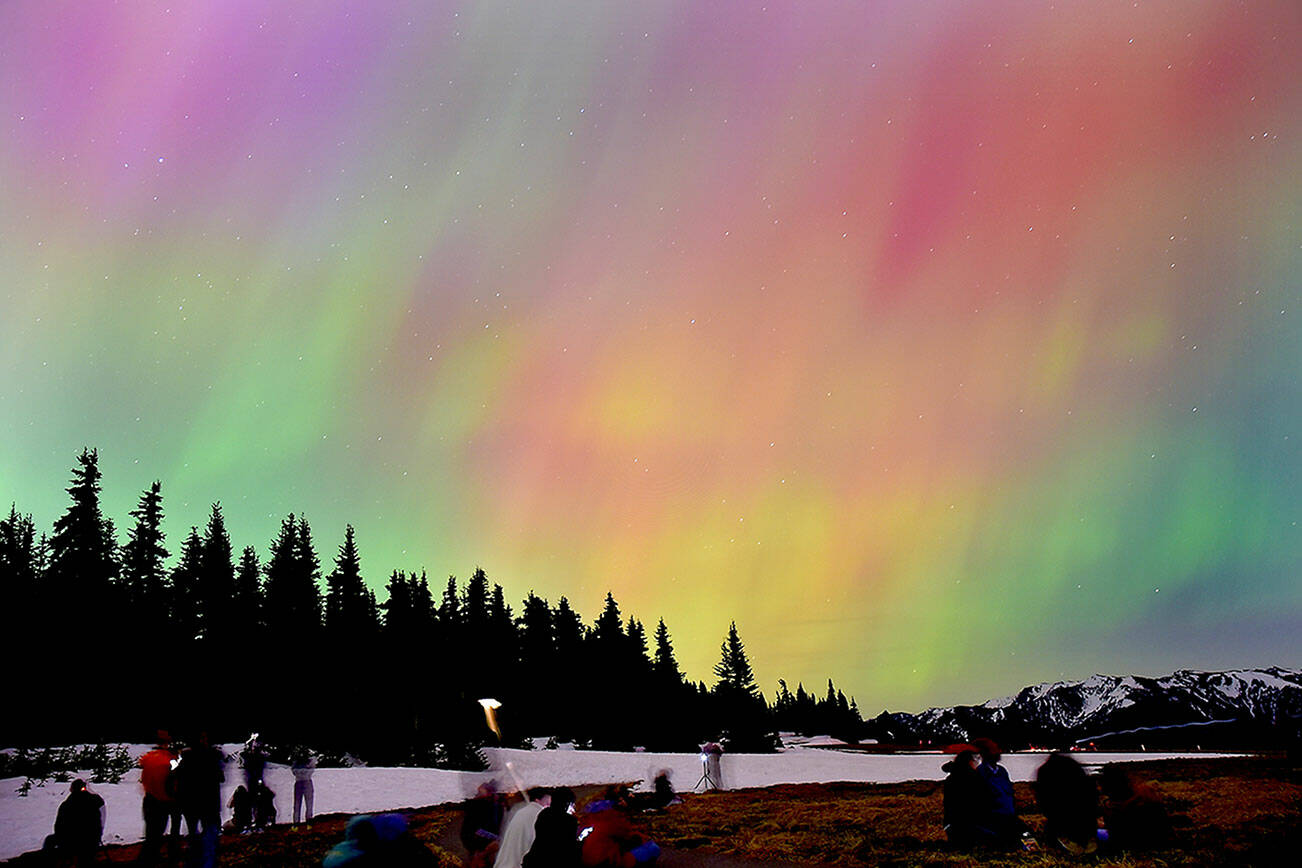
(254,760)
(1070,803)
(967,803)
(159,805)
(302,767)
(556,834)
(79,825)
(1003,819)
(1134,816)
(199,779)
(241,805)
(264,806)
(482,824)
(662,793)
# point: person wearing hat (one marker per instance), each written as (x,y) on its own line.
(79,825)
(1003,819)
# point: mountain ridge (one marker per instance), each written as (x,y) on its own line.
(1063,713)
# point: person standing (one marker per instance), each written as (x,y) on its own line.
(519,832)
(556,834)
(199,790)
(254,760)
(159,805)
(302,766)
(79,825)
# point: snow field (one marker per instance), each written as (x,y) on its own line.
(25,821)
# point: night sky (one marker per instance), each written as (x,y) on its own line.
(946,347)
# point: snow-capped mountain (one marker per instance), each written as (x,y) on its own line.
(1105,705)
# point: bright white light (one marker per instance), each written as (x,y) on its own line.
(490,703)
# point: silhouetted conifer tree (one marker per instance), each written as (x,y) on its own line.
(743,714)
(666,665)
(216,580)
(144,570)
(184,598)
(19,579)
(348,615)
(83,553)
(247,606)
(291,598)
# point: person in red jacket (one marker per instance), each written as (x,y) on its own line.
(610,841)
(160,805)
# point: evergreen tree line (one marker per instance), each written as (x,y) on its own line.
(109,642)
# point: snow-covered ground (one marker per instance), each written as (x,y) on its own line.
(25,821)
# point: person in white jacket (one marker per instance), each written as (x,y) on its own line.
(303,764)
(518,829)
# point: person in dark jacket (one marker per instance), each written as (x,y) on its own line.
(967,803)
(241,805)
(199,778)
(1070,803)
(482,825)
(556,834)
(1134,816)
(264,806)
(79,825)
(1003,820)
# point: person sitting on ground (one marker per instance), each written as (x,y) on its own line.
(1134,816)
(241,805)
(556,838)
(519,831)
(967,803)
(609,839)
(1003,820)
(1070,803)
(79,824)
(264,806)
(663,794)
(379,841)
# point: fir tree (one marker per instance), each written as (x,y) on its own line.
(733,669)
(291,598)
(665,666)
(608,632)
(83,552)
(144,574)
(347,614)
(184,599)
(537,642)
(216,579)
(474,604)
(18,573)
(246,609)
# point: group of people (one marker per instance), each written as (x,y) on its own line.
(980,811)
(185,785)
(545,829)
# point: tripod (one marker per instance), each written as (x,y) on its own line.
(711,781)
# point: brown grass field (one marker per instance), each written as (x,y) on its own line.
(1240,812)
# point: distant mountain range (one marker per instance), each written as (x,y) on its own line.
(1241,706)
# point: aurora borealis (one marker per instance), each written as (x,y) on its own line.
(946,347)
